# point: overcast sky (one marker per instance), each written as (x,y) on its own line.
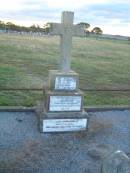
(113,16)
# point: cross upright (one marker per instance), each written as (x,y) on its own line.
(66,30)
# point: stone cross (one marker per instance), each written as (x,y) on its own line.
(66,30)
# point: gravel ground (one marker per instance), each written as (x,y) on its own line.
(24,150)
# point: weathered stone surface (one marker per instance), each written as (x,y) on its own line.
(117,162)
(66,30)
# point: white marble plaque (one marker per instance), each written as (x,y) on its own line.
(64,125)
(65,103)
(65,83)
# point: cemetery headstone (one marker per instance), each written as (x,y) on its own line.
(62,109)
(117,162)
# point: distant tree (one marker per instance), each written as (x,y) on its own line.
(2,25)
(46,28)
(86,26)
(97,30)
(36,28)
(33,28)
(39,29)
(10,26)
(128,40)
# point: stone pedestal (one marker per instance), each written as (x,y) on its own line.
(62,108)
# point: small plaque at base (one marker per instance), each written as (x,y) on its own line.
(64,125)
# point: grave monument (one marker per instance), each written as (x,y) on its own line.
(62,108)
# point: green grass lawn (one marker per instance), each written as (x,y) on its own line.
(101,64)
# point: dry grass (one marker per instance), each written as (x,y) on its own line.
(26,60)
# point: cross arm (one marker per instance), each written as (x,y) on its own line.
(55,28)
(78,31)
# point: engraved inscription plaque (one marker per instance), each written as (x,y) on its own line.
(65,83)
(62,125)
(65,103)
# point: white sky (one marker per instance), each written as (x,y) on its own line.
(66,4)
(113,16)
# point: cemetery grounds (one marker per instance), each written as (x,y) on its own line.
(101,63)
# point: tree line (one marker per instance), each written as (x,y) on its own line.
(95,30)
(86,26)
(9,26)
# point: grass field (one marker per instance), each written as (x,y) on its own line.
(101,64)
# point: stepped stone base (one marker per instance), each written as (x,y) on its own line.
(43,115)
(62,108)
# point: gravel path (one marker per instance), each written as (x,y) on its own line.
(24,150)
